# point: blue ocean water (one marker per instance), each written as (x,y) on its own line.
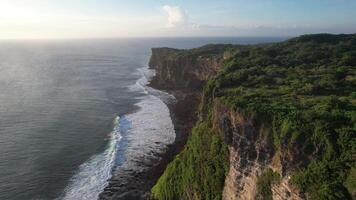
(72,111)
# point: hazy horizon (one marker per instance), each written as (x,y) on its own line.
(38,19)
(150,37)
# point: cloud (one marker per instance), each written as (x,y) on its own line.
(176,16)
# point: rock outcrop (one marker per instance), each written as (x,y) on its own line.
(251,153)
(179,70)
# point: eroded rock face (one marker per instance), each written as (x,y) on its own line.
(251,152)
(284,191)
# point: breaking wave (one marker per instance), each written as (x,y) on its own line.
(92,175)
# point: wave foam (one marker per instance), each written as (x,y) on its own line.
(92,175)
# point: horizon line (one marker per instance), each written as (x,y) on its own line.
(164,37)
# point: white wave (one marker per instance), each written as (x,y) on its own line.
(151,124)
(92,175)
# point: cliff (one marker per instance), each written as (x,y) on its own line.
(276,121)
(186,69)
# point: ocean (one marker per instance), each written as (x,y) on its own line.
(74,112)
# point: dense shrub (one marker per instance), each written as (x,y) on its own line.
(198,172)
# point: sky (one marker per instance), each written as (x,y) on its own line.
(50,19)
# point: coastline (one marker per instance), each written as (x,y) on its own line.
(138,183)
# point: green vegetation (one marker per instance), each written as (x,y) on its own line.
(265,182)
(198,172)
(303,92)
(207,50)
(305,89)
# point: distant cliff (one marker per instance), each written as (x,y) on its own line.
(186,69)
(277,121)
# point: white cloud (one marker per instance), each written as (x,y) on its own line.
(176,16)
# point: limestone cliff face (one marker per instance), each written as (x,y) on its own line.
(251,152)
(176,70)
